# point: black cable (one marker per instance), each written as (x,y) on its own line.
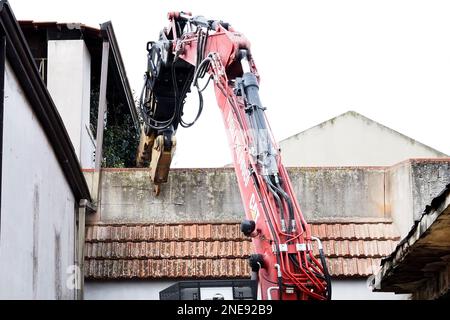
(206,85)
(179,103)
(325,271)
(204,65)
(290,200)
(289,204)
(150,121)
(294,260)
(277,283)
(277,198)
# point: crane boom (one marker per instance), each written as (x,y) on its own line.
(289,262)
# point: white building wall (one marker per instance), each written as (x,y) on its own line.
(124,290)
(69,83)
(399,197)
(37,240)
(351,140)
(149,290)
(358,289)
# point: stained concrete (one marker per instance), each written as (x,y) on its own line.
(193,195)
(341,193)
(428,180)
(410,187)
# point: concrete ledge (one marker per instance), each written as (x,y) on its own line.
(324,193)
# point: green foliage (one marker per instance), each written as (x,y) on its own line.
(120,138)
(120,144)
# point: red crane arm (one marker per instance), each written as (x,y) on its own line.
(285,262)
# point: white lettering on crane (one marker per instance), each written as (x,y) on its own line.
(253,207)
(236,136)
(238,140)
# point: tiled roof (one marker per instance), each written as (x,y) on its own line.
(155,251)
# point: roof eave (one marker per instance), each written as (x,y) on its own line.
(384,280)
(108,33)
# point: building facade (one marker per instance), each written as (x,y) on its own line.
(137,243)
(43,191)
(45,141)
(352,139)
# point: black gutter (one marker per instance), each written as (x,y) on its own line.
(19,56)
(2,105)
(108,32)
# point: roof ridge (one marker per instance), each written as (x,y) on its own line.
(351,220)
(359,115)
(159,224)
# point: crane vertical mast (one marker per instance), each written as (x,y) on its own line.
(289,262)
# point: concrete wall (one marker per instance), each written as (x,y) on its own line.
(399,196)
(411,186)
(339,193)
(212,195)
(190,195)
(149,290)
(400,192)
(351,140)
(69,83)
(37,239)
(428,180)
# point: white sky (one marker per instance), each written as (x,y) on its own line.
(388,60)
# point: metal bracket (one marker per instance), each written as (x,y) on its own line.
(90,207)
(303,246)
(283,247)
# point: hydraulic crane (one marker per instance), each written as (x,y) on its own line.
(192,48)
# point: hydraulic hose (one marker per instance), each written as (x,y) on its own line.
(289,204)
(279,203)
(326,273)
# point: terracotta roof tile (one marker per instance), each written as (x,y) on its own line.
(204,232)
(330,232)
(337,231)
(88,234)
(361,231)
(353,248)
(148,232)
(347,231)
(205,250)
(345,266)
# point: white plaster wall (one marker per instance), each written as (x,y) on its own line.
(69,83)
(399,197)
(351,140)
(37,207)
(124,290)
(149,290)
(358,289)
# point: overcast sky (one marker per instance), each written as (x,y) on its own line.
(388,60)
